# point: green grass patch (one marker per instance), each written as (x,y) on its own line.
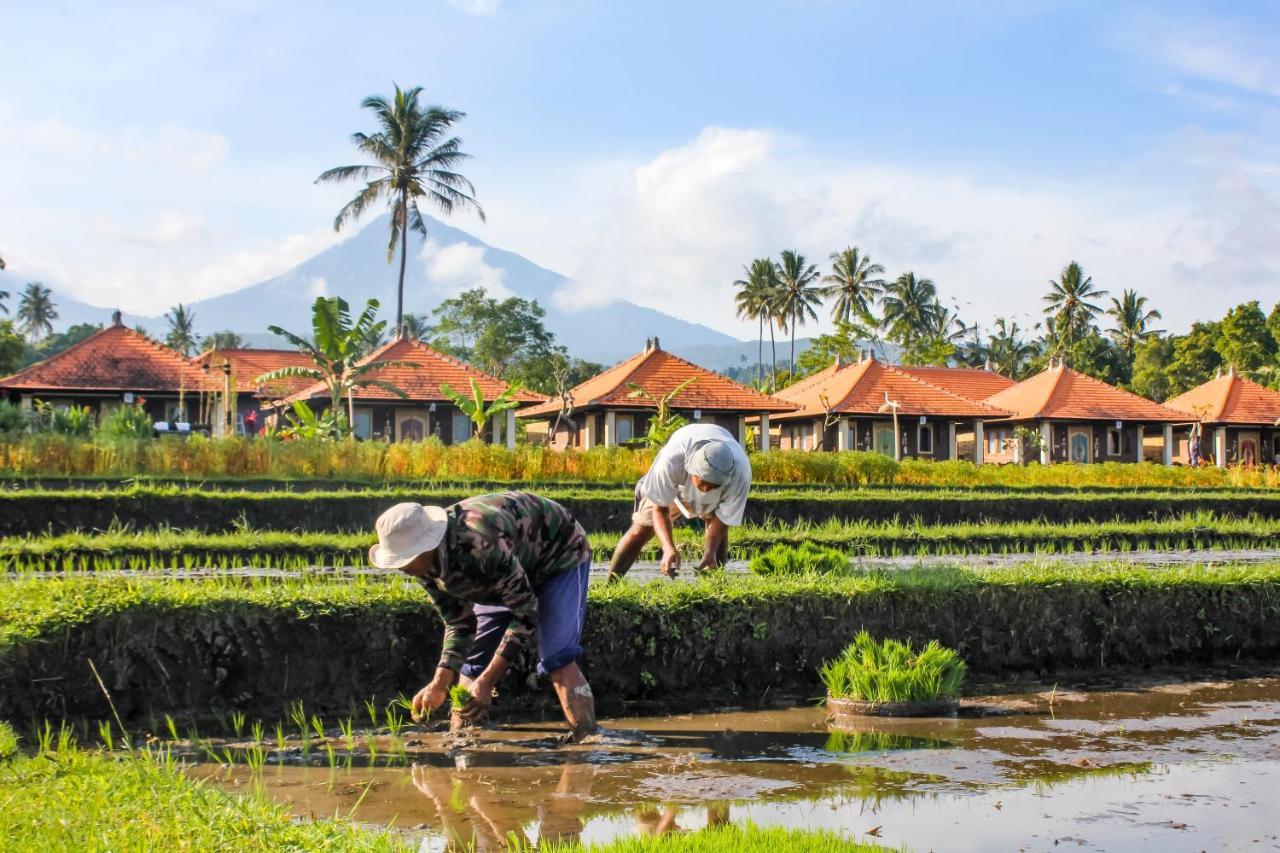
(67,799)
(893,671)
(728,839)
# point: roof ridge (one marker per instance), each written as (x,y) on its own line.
(716,375)
(897,369)
(1230,384)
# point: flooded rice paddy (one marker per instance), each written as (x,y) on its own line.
(1167,766)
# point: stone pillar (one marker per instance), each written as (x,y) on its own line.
(844,441)
(742,430)
(952,453)
(1220,446)
(610,428)
(495,431)
(25,402)
(1168,445)
(1046,441)
(588,430)
(1139,437)
(764,431)
(511,429)
(979,442)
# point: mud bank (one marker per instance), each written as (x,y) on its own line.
(201,647)
(37,512)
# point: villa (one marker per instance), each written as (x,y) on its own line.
(1241,417)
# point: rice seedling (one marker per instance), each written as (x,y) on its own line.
(255,758)
(893,671)
(372,708)
(395,721)
(281,740)
(256,732)
(237,723)
(807,559)
(106,735)
(317,726)
(459,697)
(348,733)
(173,728)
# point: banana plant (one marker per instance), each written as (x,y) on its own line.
(474,407)
(663,423)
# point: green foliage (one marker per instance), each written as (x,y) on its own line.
(306,425)
(721,839)
(805,559)
(68,799)
(475,408)
(459,697)
(127,422)
(182,329)
(1244,340)
(664,422)
(74,421)
(8,741)
(13,348)
(222,340)
(1195,357)
(506,339)
(36,311)
(13,421)
(843,342)
(1151,369)
(893,671)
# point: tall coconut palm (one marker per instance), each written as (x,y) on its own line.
(222,340)
(798,296)
(1067,304)
(36,311)
(413,162)
(754,301)
(1133,321)
(910,307)
(4,294)
(182,329)
(1008,350)
(855,285)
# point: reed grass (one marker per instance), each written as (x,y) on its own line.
(889,670)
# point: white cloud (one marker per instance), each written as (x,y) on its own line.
(691,217)
(457,267)
(481,8)
(317,287)
(1224,52)
(168,228)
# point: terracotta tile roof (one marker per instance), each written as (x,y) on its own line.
(421,376)
(659,372)
(248,364)
(1066,394)
(1230,399)
(859,389)
(970,383)
(115,359)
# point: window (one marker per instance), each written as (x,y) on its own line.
(462,427)
(1115,441)
(997,441)
(626,428)
(925,438)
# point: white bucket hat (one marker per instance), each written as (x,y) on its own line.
(711,461)
(405,531)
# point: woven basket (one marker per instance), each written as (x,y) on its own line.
(838,709)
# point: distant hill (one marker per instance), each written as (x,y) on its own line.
(357,269)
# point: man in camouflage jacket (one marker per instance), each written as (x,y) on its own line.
(503,571)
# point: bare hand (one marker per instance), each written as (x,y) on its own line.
(670,565)
(430,697)
(481,701)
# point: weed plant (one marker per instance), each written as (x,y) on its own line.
(893,671)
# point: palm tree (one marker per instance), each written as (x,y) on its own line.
(1008,350)
(939,340)
(222,340)
(1133,321)
(798,296)
(413,161)
(335,350)
(853,284)
(36,311)
(1068,305)
(4,294)
(415,326)
(754,299)
(910,307)
(182,329)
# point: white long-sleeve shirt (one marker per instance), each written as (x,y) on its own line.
(667,478)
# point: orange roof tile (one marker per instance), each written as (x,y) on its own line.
(420,376)
(1066,394)
(248,364)
(859,389)
(115,359)
(659,372)
(970,383)
(1230,399)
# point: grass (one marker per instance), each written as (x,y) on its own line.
(727,839)
(121,548)
(892,671)
(62,798)
(199,457)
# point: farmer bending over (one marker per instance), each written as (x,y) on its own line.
(501,570)
(701,472)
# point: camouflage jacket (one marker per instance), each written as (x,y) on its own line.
(498,550)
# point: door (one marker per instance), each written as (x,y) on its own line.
(884,439)
(1249,448)
(1080,444)
(411,426)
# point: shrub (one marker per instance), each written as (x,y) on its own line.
(13,421)
(806,559)
(892,671)
(127,422)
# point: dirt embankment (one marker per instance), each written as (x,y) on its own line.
(730,650)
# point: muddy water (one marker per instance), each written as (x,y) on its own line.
(1167,767)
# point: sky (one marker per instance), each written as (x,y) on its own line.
(156,153)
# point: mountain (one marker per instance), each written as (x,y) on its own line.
(357,269)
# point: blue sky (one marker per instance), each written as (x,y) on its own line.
(153,153)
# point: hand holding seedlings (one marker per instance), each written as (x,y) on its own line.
(433,695)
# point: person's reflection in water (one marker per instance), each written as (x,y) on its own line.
(560,817)
(650,821)
(472,818)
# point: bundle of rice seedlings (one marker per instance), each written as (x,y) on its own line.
(893,671)
(807,559)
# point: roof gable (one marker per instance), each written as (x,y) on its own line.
(1066,394)
(862,388)
(247,364)
(659,372)
(420,376)
(116,359)
(1230,399)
